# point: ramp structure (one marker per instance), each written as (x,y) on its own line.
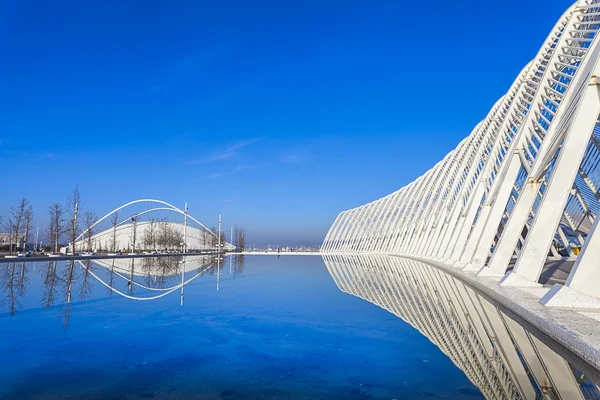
(521,189)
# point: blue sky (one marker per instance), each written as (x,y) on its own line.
(276,114)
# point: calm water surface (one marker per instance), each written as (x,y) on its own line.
(274,329)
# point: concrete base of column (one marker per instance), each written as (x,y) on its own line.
(473,268)
(565,297)
(459,264)
(516,280)
(489,273)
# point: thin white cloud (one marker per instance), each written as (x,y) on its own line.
(295,158)
(224,173)
(231,152)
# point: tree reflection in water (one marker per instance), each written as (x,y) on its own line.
(64,282)
(14,282)
(236,265)
(86,284)
(50,281)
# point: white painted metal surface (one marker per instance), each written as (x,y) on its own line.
(196,236)
(523,187)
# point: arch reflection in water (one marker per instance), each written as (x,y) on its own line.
(137,279)
(502,358)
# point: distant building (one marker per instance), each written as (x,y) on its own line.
(148,236)
(7,239)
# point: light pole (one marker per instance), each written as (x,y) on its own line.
(185,213)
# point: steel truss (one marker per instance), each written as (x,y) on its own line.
(522,188)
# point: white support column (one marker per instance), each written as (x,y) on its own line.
(386,245)
(467,224)
(360,227)
(353,228)
(448,230)
(378,218)
(512,232)
(385,233)
(409,204)
(330,234)
(348,229)
(340,234)
(539,239)
(582,288)
(585,275)
(480,242)
(465,159)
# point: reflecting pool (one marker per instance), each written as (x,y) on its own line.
(262,327)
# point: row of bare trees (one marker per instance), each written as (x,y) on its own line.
(160,234)
(66,220)
(239,238)
(18,224)
(63,219)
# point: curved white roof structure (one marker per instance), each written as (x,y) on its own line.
(147,224)
(523,187)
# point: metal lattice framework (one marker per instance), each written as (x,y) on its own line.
(523,187)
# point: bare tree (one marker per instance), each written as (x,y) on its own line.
(214,238)
(238,262)
(239,238)
(17,220)
(68,279)
(130,281)
(163,234)
(28,215)
(51,281)
(22,281)
(111,280)
(177,238)
(89,219)
(86,284)
(56,227)
(73,205)
(114,220)
(9,276)
(149,240)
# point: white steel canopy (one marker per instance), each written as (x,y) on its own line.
(521,189)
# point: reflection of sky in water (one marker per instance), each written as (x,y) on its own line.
(280,329)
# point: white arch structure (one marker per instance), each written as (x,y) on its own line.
(162,206)
(161,292)
(523,187)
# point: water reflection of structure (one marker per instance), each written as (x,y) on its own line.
(497,354)
(139,279)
